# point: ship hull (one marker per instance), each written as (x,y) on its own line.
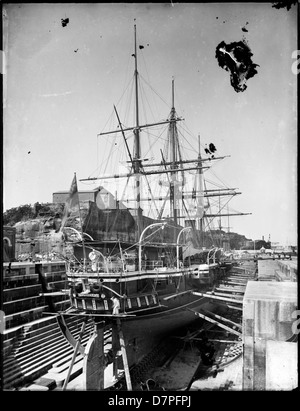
(144,332)
(149,317)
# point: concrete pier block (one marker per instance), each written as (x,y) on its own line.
(281,370)
(268,309)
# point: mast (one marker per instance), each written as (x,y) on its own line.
(174,187)
(137,149)
(200,176)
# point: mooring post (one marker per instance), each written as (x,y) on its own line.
(94,363)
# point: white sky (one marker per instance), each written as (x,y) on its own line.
(56,101)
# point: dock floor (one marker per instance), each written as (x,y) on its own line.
(229,379)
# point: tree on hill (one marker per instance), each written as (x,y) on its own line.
(17,214)
(28,212)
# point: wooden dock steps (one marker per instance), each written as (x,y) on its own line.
(16,293)
(20,281)
(60,369)
(40,347)
(22,285)
(23,304)
(26,316)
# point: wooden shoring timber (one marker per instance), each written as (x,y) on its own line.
(209,339)
(230,300)
(225,341)
(242,280)
(237,278)
(188,336)
(242,271)
(233,278)
(230,290)
(245,280)
(246,273)
(94,361)
(238,282)
(235,283)
(67,334)
(85,314)
(223,318)
(74,355)
(221,341)
(54,294)
(234,308)
(238,297)
(176,295)
(230,306)
(215,322)
(115,345)
(124,355)
(241,274)
(231,286)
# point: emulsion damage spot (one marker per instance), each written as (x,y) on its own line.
(64,22)
(236,58)
(287,3)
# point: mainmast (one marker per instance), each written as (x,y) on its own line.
(137,149)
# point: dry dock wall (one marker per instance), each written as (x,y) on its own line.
(277,270)
(269,359)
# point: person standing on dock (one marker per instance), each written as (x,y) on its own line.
(116,305)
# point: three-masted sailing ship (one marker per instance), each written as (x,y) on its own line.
(151,263)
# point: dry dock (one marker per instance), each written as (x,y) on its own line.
(253,333)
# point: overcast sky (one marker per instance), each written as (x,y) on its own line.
(60,85)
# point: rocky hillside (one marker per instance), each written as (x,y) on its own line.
(44,220)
